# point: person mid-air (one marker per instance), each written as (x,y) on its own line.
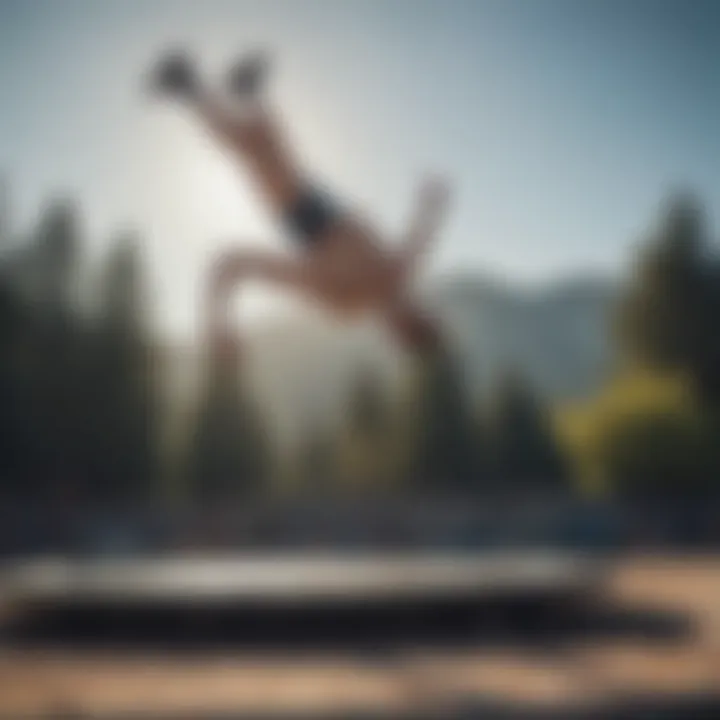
(341,262)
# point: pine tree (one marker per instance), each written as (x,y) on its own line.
(316,463)
(230,454)
(51,379)
(666,320)
(369,442)
(445,447)
(56,266)
(120,394)
(10,447)
(520,442)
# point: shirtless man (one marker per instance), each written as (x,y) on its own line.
(341,261)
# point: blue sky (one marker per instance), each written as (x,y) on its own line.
(561,123)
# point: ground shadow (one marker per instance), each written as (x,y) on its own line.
(694,706)
(530,623)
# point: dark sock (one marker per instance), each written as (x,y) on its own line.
(246,77)
(175,75)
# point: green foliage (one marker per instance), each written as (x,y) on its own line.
(368,454)
(229,456)
(316,462)
(56,265)
(11,322)
(79,412)
(644,436)
(521,444)
(653,431)
(81,402)
(444,445)
(666,319)
(368,411)
(122,291)
(123,404)
(47,364)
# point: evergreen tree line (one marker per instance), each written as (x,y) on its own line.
(82,419)
(77,409)
(653,431)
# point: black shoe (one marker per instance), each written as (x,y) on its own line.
(174,75)
(246,77)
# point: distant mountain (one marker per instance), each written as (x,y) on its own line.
(558,336)
(303,366)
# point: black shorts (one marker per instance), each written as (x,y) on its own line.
(310,216)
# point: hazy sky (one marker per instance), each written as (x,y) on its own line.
(560,122)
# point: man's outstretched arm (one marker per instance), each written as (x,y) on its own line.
(430,210)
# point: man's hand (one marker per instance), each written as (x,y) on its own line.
(434,193)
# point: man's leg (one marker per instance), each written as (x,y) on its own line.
(236,267)
(229,272)
(415,330)
(246,77)
(242,124)
(176,77)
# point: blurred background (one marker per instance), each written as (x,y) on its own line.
(573,415)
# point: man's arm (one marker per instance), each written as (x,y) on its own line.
(430,210)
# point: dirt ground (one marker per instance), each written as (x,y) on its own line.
(38,682)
